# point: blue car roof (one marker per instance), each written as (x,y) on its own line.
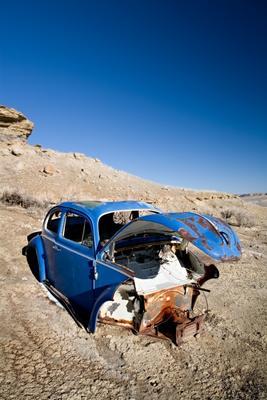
(97,208)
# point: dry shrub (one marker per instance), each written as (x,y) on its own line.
(237,217)
(15,198)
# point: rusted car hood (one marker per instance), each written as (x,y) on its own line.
(209,234)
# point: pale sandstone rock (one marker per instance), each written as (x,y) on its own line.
(50,169)
(14,125)
(16,150)
(79,156)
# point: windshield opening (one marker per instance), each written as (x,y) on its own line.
(112,222)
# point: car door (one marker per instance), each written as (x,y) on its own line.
(74,260)
(50,231)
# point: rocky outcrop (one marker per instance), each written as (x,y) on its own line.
(14,126)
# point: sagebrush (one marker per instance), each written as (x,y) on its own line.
(14,197)
(238,217)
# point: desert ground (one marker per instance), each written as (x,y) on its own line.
(45,355)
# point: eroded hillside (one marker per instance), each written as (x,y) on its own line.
(46,356)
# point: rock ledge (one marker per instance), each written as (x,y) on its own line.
(14,126)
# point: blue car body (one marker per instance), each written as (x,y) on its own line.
(83,272)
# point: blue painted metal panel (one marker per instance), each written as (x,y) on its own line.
(74,276)
(105,295)
(49,239)
(37,244)
(109,277)
(211,235)
(95,210)
(102,208)
(70,270)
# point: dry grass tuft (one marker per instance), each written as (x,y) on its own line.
(237,217)
(15,198)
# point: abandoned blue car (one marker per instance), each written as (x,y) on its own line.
(129,264)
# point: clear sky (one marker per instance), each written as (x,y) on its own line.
(173,91)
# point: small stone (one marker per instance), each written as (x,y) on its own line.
(153,382)
(16,151)
(49,169)
(78,156)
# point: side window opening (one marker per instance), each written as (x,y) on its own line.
(87,238)
(53,221)
(78,229)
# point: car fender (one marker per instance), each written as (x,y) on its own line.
(105,295)
(36,244)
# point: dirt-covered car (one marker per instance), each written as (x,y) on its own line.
(129,264)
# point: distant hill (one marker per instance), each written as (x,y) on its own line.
(54,176)
(255,198)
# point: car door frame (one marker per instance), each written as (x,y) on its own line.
(49,242)
(64,246)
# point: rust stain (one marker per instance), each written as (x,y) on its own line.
(119,322)
(185,234)
(193,227)
(207,224)
(205,243)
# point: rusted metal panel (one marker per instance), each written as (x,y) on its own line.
(166,314)
(189,329)
(169,314)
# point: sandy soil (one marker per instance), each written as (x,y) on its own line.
(45,355)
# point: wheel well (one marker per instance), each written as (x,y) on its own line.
(32,235)
(32,260)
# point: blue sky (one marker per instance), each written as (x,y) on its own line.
(173,91)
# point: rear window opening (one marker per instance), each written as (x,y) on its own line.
(78,229)
(53,221)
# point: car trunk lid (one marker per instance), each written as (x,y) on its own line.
(209,234)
